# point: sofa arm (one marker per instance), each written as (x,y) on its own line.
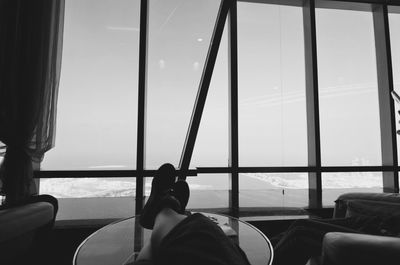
(22,219)
(349,249)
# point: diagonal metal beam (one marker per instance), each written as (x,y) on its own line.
(203,87)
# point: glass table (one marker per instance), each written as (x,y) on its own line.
(120,242)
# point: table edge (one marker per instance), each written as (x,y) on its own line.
(121,220)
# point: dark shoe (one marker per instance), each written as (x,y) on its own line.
(181,191)
(160,196)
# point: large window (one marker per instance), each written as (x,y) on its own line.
(211,147)
(209,191)
(97,108)
(273,190)
(272,107)
(335,184)
(394,26)
(97,119)
(348,89)
(179,37)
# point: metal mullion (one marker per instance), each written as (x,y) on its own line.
(386,105)
(336,4)
(357,169)
(204,170)
(85,173)
(233,112)
(393,2)
(277,169)
(99,173)
(346,5)
(141,125)
(276,2)
(203,87)
(312,104)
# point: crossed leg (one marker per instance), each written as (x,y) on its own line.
(165,221)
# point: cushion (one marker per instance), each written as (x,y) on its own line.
(372,208)
(341,202)
(349,249)
(23,219)
(385,215)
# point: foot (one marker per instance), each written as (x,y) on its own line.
(181,192)
(160,196)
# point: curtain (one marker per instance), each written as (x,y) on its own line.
(30,61)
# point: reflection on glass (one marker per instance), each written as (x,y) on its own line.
(335,184)
(394,26)
(272,109)
(179,37)
(208,191)
(97,102)
(211,147)
(348,94)
(273,189)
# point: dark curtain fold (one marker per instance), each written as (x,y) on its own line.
(30,61)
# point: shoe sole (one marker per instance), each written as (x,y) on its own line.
(162,182)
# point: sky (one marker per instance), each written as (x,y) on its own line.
(97,106)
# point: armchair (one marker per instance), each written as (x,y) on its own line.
(349,248)
(22,227)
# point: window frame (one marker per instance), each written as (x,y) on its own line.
(228,10)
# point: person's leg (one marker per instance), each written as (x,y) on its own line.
(162,210)
(146,252)
(165,221)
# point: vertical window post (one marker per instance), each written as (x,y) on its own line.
(312,105)
(141,125)
(386,105)
(233,115)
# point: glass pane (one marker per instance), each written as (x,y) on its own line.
(272,109)
(97,103)
(208,191)
(211,147)
(92,198)
(394,26)
(348,91)
(273,189)
(147,188)
(88,187)
(179,37)
(335,184)
(95,208)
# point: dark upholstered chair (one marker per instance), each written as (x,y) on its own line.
(348,248)
(22,226)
